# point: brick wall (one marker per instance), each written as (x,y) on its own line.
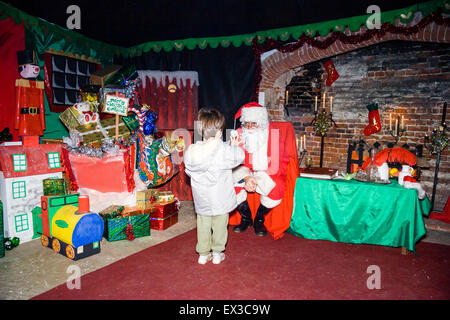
(405,78)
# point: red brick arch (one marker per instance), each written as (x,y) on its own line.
(279,63)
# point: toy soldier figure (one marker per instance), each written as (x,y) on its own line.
(30,117)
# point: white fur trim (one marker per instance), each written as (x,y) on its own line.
(269,203)
(415,185)
(254,114)
(240,173)
(241,197)
(265,184)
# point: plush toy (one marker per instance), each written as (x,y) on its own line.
(86,113)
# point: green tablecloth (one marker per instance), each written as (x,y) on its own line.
(358,212)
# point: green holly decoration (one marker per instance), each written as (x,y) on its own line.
(439,140)
(322,123)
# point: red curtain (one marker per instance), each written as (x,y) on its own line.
(12,39)
(176,106)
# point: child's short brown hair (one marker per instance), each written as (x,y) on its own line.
(211,121)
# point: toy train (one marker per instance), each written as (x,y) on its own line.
(66,225)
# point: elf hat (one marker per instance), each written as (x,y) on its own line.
(253,112)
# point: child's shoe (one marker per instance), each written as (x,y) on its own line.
(218,257)
(204,258)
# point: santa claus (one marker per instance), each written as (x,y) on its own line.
(264,169)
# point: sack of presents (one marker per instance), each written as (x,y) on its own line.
(165,207)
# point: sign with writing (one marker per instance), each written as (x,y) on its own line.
(116,105)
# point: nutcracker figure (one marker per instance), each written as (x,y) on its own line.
(30,117)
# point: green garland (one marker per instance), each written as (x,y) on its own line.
(58,38)
(51,37)
(287,34)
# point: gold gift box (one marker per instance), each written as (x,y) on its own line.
(143,198)
(70,118)
(165,197)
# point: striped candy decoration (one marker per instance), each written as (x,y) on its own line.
(140,114)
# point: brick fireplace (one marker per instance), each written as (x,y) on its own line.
(407,76)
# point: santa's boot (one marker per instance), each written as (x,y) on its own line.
(260,229)
(246,217)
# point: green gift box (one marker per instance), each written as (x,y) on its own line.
(132,122)
(55,187)
(115,227)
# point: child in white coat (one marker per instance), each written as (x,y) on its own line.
(209,163)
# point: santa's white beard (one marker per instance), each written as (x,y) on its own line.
(255,142)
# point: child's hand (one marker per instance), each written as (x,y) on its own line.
(234,138)
(234,141)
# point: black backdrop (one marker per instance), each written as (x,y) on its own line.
(226,75)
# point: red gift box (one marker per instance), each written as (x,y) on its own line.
(163,223)
(165,210)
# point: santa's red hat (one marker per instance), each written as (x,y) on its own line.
(253,112)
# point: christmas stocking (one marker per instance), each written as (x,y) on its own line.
(374,120)
(331,71)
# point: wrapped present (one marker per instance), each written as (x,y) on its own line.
(163,223)
(100,77)
(147,198)
(55,187)
(112,211)
(95,133)
(130,227)
(132,122)
(81,113)
(133,211)
(165,197)
(70,118)
(165,209)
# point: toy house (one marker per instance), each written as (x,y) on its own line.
(23,169)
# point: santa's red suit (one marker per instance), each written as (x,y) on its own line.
(265,166)
(271,180)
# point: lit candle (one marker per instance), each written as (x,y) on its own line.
(331,104)
(403,123)
(287,96)
(315,106)
(396,126)
(296,140)
(390,121)
(304,141)
(324,100)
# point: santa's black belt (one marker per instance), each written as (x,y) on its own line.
(30,110)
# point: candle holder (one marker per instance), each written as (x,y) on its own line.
(435,145)
(398,130)
(302,155)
